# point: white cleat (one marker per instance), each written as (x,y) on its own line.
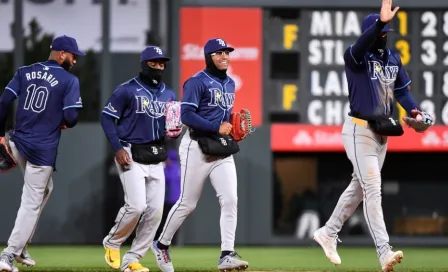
(6,262)
(389,259)
(14,269)
(232,262)
(329,245)
(163,258)
(25,258)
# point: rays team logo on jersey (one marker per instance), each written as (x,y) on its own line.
(154,109)
(220,99)
(386,76)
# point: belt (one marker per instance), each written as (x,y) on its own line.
(194,134)
(360,122)
(127,144)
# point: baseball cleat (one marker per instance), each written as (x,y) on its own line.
(232,262)
(25,258)
(329,245)
(14,269)
(163,258)
(6,262)
(389,259)
(112,257)
(136,267)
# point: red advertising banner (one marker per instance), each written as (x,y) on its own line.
(242,30)
(309,138)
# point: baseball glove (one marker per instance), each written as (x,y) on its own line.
(420,121)
(7,161)
(241,124)
(173,124)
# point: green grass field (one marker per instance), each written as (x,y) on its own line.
(54,258)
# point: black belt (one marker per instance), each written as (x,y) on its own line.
(126,144)
(195,134)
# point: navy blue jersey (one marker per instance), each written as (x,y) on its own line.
(139,110)
(211,97)
(373,81)
(44,90)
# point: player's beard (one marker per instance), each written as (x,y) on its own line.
(66,64)
(379,45)
(151,76)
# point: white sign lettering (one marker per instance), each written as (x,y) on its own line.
(329,112)
(323,24)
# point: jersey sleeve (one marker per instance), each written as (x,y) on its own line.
(117,103)
(192,92)
(72,97)
(14,85)
(173,96)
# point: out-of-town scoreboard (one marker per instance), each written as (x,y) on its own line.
(305,77)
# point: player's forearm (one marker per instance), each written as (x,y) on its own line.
(108,124)
(366,40)
(191,119)
(70,117)
(6,101)
(406,100)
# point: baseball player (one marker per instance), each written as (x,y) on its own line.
(48,101)
(134,123)
(375,77)
(206,107)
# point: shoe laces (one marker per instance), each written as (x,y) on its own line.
(234,255)
(333,240)
(166,255)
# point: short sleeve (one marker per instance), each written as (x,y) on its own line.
(192,92)
(117,103)
(72,97)
(14,85)
(403,79)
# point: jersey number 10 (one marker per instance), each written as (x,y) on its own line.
(36,98)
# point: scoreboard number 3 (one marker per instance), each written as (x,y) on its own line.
(429,49)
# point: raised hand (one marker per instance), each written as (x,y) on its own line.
(386,13)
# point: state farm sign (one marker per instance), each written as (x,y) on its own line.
(309,138)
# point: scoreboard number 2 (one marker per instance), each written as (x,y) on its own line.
(429,49)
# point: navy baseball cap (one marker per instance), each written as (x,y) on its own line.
(153,52)
(216,44)
(370,20)
(67,44)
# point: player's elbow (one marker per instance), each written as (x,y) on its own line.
(186,114)
(70,117)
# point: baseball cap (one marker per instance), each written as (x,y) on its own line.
(370,20)
(153,52)
(216,44)
(67,44)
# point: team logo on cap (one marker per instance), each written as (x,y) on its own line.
(158,50)
(221,42)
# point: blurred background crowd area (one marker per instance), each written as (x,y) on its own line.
(289,72)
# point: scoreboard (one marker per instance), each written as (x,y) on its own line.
(314,87)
